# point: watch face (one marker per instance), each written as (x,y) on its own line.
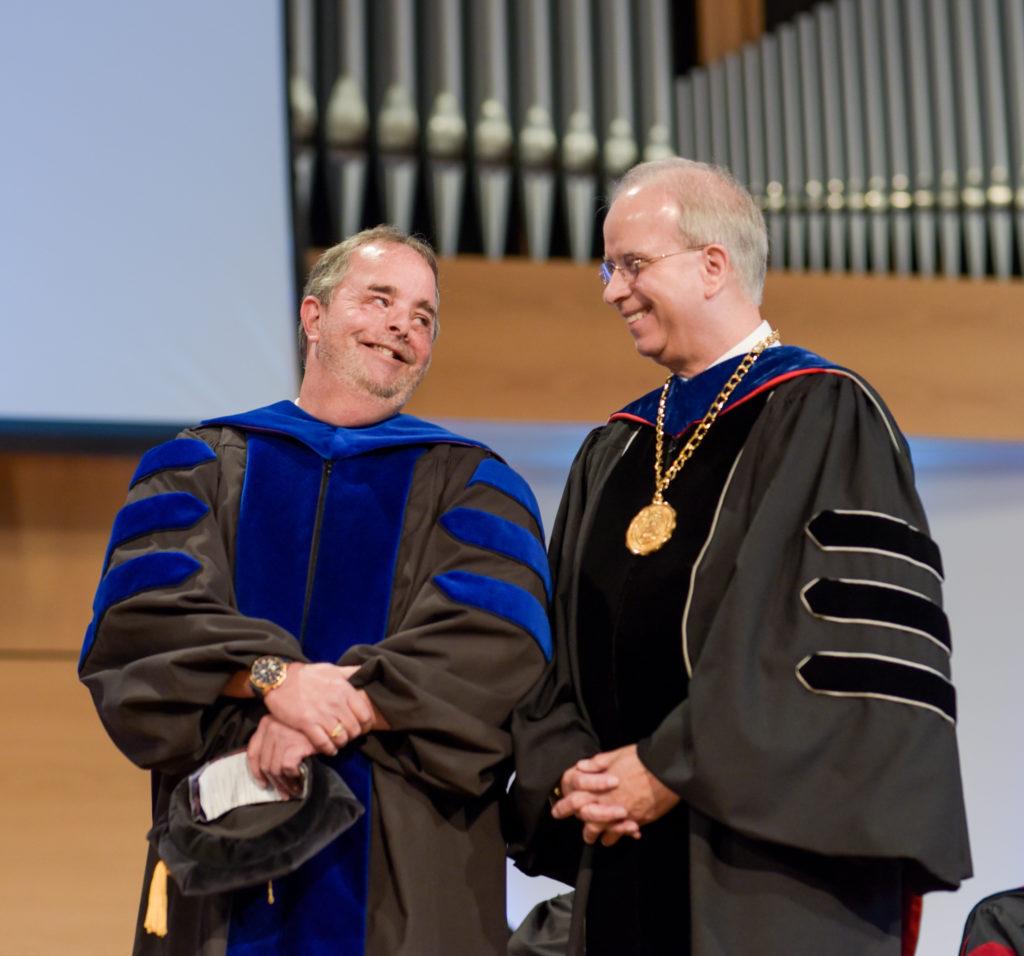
(267,671)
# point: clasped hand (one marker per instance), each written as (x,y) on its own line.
(613,794)
(315,710)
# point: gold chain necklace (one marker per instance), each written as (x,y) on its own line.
(653,524)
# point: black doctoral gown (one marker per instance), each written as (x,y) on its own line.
(782,664)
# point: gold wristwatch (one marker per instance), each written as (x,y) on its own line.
(266,673)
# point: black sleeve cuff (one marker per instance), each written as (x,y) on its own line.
(668,752)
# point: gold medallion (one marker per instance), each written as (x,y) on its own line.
(654,524)
(651,527)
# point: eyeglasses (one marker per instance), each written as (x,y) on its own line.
(631,267)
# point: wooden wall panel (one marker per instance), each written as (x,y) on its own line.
(55,516)
(75,819)
(529,342)
(535,342)
(725,25)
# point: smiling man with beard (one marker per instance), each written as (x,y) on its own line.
(369,351)
(330,580)
(749,708)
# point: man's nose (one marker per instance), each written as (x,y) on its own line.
(399,321)
(616,290)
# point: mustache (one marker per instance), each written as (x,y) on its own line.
(401,350)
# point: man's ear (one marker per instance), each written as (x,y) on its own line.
(716,269)
(310,312)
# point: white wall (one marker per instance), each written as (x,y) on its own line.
(975,500)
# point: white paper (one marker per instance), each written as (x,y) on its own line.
(227,783)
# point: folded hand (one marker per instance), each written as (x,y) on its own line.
(318,701)
(614,795)
(275,754)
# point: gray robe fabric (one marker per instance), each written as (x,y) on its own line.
(446,677)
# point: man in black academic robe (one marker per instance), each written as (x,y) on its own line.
(749,713)
(386,583)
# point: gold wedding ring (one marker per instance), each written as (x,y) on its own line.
(338,729)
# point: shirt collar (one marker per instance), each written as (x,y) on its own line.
(743,346)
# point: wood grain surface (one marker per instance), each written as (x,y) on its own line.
(74,822)
(531,342)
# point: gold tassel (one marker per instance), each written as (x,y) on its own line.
(270,892)
(156,908)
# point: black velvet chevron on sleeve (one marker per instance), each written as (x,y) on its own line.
(868,531)
(868,675)
(873,602)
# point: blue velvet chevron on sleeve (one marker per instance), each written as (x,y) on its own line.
(501,599)
(177,453)
(160,569)
(166,512)
(498,475)
(493,533)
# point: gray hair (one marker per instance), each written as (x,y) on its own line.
(713,208)
(330,268)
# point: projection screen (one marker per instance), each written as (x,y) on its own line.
(146,269)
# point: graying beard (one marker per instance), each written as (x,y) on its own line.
(377,390)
